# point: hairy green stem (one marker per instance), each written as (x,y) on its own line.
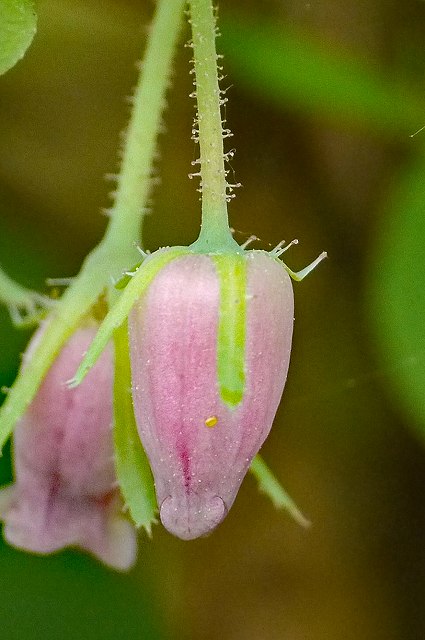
(116,251)
(215,233)
(134,180)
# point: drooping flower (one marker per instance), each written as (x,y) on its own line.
(65,490)
(210,343)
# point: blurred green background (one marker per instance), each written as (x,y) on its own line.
(323,100)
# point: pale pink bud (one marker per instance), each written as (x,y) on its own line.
(65,491)
(210,354)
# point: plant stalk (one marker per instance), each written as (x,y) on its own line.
(215,233)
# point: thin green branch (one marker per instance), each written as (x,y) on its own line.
(116,251)
(134,180)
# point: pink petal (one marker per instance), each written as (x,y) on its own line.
(173,334)
(65,493)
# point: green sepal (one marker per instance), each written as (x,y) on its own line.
(27,308)
(231,270)
(268,484)
(119,312)
(125,279)
(131,464)
(18,24)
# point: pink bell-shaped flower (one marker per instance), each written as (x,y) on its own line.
(65,491)
(210,342)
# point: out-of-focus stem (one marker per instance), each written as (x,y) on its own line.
(134,180)
(116,251)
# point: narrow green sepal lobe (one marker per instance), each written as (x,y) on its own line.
(125,279)
(132,467)
(268,484)
(119,312)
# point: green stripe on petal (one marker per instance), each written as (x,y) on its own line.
(232,270)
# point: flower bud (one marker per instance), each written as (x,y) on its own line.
(65,491)
(210,344)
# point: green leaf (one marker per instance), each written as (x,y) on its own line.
(290,69)
(18,24)
(397,291)
(132,466)
(268,484)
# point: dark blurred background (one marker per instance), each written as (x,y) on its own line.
(323,99)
